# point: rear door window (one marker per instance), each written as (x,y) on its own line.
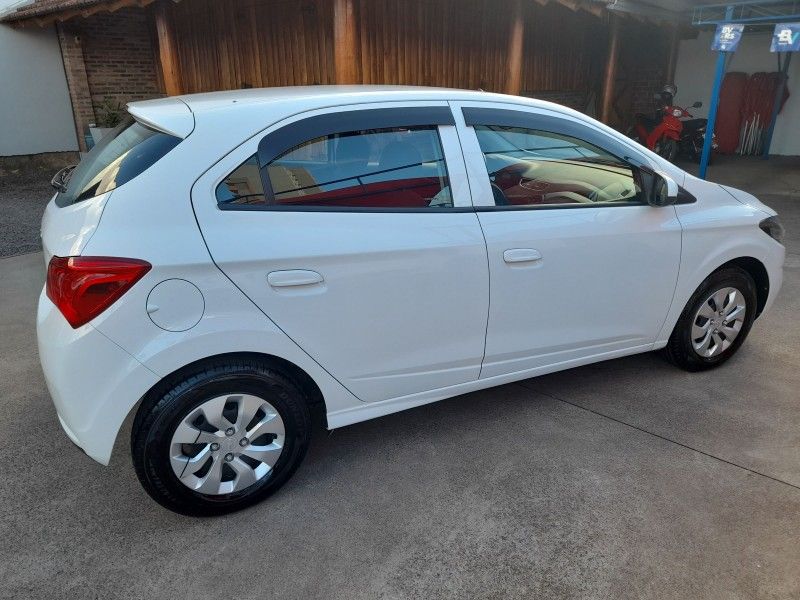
(124,153)
(389,168)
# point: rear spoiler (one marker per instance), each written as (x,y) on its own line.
(168,115)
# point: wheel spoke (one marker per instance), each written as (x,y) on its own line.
(706,310)
(210,483)
(271,423)
(736,311)
(731,331)
(733,303)
(721,297)
(702,345)
(699,331)
(245,474)
(213,412)
(193,463)
(187,433)
(248,407)
(266,454)
(718,343)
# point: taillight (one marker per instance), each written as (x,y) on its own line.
(84,286)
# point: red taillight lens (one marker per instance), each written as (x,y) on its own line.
(84,286)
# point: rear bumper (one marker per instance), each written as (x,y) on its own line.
(93,382)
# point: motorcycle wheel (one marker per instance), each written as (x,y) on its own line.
(667,148)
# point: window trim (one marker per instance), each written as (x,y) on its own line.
(283,139)
(289,136)
(536,121)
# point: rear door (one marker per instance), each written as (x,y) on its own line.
(352,229)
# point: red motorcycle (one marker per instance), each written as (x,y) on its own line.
(672,130)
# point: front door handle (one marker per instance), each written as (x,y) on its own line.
(295,277)
(521,255)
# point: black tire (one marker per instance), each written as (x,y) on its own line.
(680,351)
(161,413)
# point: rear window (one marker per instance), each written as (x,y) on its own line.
(124,153)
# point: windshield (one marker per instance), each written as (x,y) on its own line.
(124,153)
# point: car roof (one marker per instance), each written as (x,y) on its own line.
(377,93)
(176,114)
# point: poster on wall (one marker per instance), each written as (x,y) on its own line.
(786,38)
(727,37)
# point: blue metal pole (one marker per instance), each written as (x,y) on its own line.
(712,108)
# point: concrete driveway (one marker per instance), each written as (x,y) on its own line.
(626,479)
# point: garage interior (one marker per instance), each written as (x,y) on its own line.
(624,479)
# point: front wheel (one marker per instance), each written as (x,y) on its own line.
(667,148)
(715,321)
(222,437)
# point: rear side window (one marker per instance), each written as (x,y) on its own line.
(390,168)
(124,153)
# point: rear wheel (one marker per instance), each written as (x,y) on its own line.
(221,438)
(715,322)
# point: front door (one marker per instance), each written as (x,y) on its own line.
(580,267)
(353,231)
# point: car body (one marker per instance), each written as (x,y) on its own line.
(401,294)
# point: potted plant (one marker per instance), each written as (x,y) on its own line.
(109,114)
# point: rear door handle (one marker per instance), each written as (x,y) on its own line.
(521,255)
(295,277)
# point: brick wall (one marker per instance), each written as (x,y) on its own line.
(119,56)
(107,55)
(647,80)
(647,48)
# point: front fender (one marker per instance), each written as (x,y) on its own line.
(716,232)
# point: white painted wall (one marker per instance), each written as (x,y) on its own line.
(694,76)
(35,109)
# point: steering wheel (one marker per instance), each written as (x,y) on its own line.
(499,196)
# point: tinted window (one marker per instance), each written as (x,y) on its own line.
(243,185)
(374,168)
(124,153)
(528,167)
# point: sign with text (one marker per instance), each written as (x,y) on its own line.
(786,38)
(727,37)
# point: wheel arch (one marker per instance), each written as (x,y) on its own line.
(312,392)
(756,269)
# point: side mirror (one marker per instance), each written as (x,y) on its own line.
(659,188)
(697,105)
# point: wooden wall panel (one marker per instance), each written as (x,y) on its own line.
(229,44)
(564,49)
(452,43)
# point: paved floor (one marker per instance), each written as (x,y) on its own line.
(23,196)
(626,479)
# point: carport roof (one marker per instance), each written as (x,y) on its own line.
(45,12)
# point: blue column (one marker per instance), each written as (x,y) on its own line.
(712,107)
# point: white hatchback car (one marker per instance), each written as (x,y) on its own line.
(221,265)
